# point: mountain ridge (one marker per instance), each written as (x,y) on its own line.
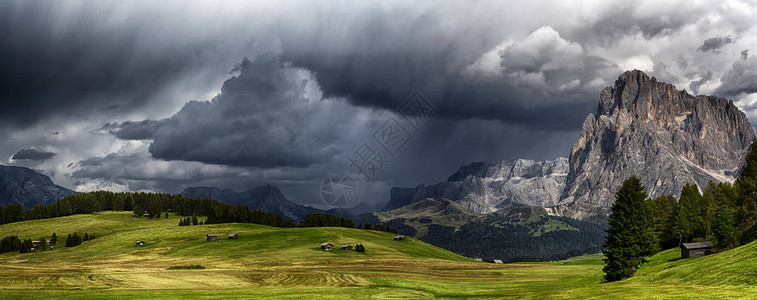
(20,185)
(268,198)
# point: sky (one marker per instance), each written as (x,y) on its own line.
(160,96)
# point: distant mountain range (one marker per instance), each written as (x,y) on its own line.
(27,187)
(484,187)
(641,127)
(269,198)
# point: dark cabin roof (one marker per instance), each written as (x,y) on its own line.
(700,245)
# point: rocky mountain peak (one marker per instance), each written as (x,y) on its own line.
(649,128)
(27,187)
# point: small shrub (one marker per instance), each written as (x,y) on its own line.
(190,267)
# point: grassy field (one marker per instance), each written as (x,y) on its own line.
(287,263)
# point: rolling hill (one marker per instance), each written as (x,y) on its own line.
(287,263)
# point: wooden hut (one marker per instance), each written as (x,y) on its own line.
(327,246)
(690,250)
(212,237)
(346,247)
(399,237)
(498,261)
(233,236)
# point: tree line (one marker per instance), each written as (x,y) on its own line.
(14,243)
(639,227)
(152,204)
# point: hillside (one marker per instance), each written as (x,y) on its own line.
(516,232)
(287,263)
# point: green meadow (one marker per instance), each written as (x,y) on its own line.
(288,263)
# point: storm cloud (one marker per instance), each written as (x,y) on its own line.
(132,130)
(741,78)
(32,154)
(715,44)
(270,115)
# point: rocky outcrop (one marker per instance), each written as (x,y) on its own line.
(26,187)
(650,129)
(484,187)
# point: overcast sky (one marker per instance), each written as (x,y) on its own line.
(159,96)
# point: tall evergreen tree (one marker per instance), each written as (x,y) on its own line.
(14,212)
(630,234)
(689,220)
(723,228)
(663,210)
(54,239)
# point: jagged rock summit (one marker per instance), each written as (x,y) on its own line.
(650,129)
(641,127)
(484,187)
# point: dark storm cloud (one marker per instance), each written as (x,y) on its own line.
(714,44)
(740,79)
(32,154)
(539,87)
(270,115)
(133,130)
(744,54)
(619,20)
(55,64)
(697,83)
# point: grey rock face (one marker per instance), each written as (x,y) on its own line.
(650,129)
(27,187)
(484,187)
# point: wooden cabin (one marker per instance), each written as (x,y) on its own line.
(327,246)
(498,261)
(233,236)
(140,243)
(212,237)
(690,250)
(399,237)
(346,247)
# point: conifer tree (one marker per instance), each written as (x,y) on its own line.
(630,233)
(723,228)
(54,239)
